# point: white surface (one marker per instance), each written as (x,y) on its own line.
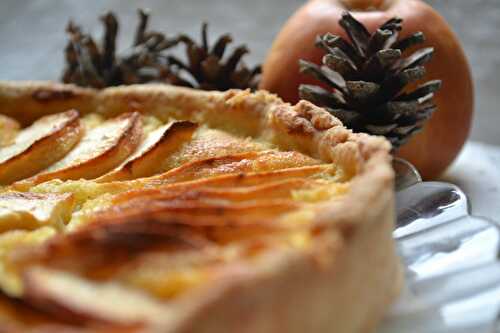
(477,173)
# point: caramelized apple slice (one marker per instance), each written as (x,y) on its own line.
(101,247)
(169,275)
(74,299)
(219,179)
(35,148)
(209,143)
(20,210)
(147,160)
(237,163)
(281,189)
(8,130)
(18,317)
(214,212)
(101,149)
(236,167)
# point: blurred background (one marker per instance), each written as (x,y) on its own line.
(32,36)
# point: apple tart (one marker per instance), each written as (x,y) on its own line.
(154,208)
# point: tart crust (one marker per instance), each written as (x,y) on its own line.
(343,282)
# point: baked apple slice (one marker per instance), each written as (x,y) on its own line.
(38,146)
(100,150)
(18,317)
(155,148)
(115,304)
(24,210)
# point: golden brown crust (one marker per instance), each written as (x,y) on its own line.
(309,127)
(332,278)
(8,130)
(304,126)
(28,101)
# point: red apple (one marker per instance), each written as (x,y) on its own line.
(441,139)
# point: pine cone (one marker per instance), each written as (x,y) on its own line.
(206,67)
(368,77)
(91,65)
(98,66)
